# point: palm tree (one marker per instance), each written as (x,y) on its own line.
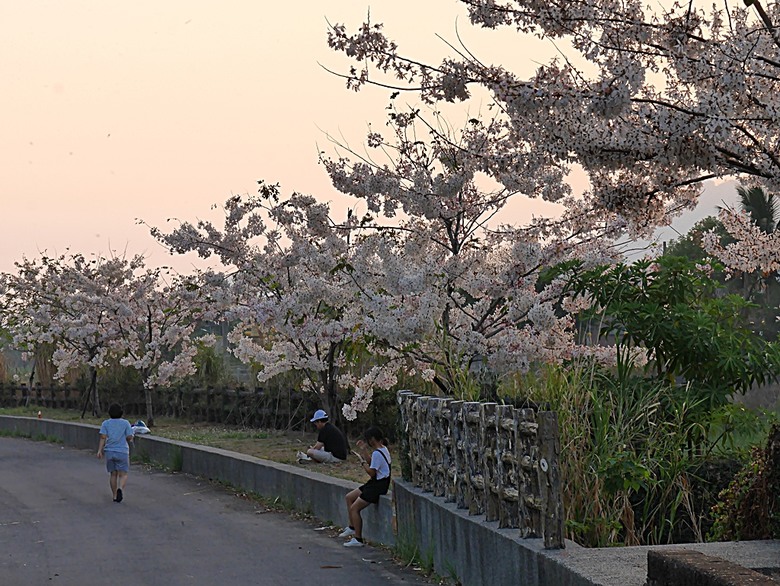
(761,206)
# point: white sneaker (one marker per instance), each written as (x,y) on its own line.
(348,532)
(301,455)
(354,543)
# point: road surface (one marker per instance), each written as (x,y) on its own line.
(59,525)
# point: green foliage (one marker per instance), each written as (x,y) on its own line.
(737,430)
(674,309)
(629,475)
(760,206)
(764,290)
(200,435)
(452,573)
(210,366)
(461,376)
(407,548)
(116,376)
(13,433)
(141,456)
(689,245)
(750,507)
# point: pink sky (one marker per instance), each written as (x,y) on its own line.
(115,111)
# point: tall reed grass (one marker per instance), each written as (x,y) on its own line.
(627,456)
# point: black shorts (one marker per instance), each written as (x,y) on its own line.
(373,489)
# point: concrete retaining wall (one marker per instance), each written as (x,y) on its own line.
(475,551)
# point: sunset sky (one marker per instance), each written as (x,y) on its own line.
(117,111)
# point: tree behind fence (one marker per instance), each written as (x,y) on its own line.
(494,460)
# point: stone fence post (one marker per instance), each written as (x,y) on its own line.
(487,458)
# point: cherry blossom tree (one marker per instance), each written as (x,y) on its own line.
(650,102)
(753,249)
(451,288)
(94,310)
(156,322)
(60,301)
(423,282)
(292,298)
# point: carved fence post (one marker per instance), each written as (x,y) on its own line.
(487,458)
(509,507)
(426,434)
(406,401)
(420,471)
(448,454)
(550,480)
(458,468)
(489,444)
(437,445)
(475,487)
(528,482)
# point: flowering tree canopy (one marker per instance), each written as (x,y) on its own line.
(422,283)
(753,249)
(156,324)
(292,297)
(95,309)
(649,103)
(61,301)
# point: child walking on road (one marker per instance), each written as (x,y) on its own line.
(378,484)
(115,437)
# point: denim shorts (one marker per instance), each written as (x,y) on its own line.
(117,461)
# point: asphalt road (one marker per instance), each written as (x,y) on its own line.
(58,525)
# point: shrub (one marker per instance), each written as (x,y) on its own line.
(750,507)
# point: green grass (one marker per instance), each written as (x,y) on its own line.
(407,549)
(58,414)
(40,437)
(13,433)
(177,460)
(451,573)
(203,436)
(140,457)
(37,437)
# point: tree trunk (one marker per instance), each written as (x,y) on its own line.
(149,413)
(92,394)
(30,386)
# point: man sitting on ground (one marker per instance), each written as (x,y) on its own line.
(331,446)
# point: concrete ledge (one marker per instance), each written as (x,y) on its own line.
(475,551)
(692,568)
(455,543)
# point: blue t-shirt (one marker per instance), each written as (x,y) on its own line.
(116,432)
(379,463)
